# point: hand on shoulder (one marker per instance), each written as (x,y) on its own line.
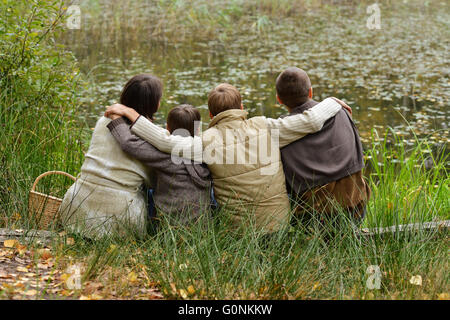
(119,110)
(343,104)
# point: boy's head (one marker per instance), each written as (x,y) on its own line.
(293,87)
(183,117)
(142,93)
(224,97)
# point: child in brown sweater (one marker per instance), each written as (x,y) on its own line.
(182,189)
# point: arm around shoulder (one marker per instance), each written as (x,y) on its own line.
(164,141)
(297,126)
(133,145)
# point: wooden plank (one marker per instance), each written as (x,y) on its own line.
(435,226)
(42,236)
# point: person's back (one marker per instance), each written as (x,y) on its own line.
(108,197)
(251,187)
(108,189)
(324,169)
(182,187)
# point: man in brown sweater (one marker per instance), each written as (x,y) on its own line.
(324,169)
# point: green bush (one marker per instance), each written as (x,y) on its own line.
(39,81)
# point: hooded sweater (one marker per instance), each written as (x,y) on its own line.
(182,187)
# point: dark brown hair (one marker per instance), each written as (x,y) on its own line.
(183,117)
(142,93)
(223,97)
(293,86)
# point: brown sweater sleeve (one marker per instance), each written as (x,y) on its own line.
(135,146)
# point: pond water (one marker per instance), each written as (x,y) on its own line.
(397,76)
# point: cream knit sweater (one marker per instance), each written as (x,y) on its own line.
(107,196)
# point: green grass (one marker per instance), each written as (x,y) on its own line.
(42,128)
(216,262)
(298,263)
(409,185)
(39,98)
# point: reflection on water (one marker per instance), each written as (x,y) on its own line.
(395,77)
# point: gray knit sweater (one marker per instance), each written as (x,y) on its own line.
(182,190)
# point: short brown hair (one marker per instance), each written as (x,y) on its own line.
(293,86)
(183,117)
(224,97)
(142,93)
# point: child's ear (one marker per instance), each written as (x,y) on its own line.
(210,115)
(242,106)
(279,100)
(310,93)
(167,127)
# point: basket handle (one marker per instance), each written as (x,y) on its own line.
(49,173)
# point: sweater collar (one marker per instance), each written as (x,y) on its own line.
(228,115)
(302,108)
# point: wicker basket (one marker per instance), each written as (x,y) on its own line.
(44,208)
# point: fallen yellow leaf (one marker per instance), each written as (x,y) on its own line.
(30,292)
(183,293)
(22,249)
(316,285)
(66,293)
(70,241)
(11,243)
(132,277)
(22,269)
(191,289)
(91,297)
(64,277)
(443,296)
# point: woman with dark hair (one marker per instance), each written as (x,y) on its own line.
(108,196)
